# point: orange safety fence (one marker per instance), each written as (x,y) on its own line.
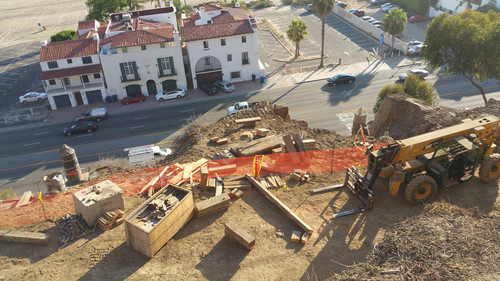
(322,161)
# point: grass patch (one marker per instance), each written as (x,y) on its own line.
(7,194)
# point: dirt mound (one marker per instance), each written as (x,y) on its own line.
(195,143)
(403,116)
(443,243)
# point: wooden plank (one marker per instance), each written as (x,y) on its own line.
(279,181)
(222,168)
(204,175)
(236,193)
(259,146)
(245,120)
(154,180)
(24,236)
(244,186)
(233,178)
(296,235)
(271,181)
(327,188)
(291,149)
(25,199)
(301,148)
(187,170)
(309,144)
(218,188)
(304,238)
(213,204)
(234,232)
(280,205)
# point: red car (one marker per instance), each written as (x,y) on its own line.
(417,18)
(358,13)
(133,99)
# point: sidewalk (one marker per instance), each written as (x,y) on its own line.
(278,80)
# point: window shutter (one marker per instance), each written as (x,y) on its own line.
(160,67)
(134,66)
(122,68)
(172,69)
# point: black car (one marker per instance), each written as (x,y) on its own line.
(341,78)
(341,4)
(80,127)
(209,89)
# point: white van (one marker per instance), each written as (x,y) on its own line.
(141,155)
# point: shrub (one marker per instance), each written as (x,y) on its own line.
(63,36)
(287,2)
(387,90)
(260,4)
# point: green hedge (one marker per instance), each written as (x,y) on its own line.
(419,6)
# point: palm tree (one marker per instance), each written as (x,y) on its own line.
(323,8)
(296,32)
(394,23)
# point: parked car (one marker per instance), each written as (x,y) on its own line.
(341,4)
(393,7)
(93,114)
(385,5)
(414,43)
(387,8)
(375,22)
(80,127)
(309,7)
(172,94)
(225,86)
(134,99)
(417,18)
(367,18)
(358,13)
(421,73)
(341,78)
(377,1)
(414,50)
(209,89)
(239,106)
(379,25)
(32,96)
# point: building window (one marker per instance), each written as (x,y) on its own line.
(143,47)
(97,75)
(244,58)
(69,60)
(129,68)
(229,57)
(66,81)
(162,45)
(235,74)
(205,44)
(207,61)
(52,82)
(84,78)
(165,63)
(52,64)
(124,50)
(223,42)
(243,39)
(209,21)
(87,60)
(166,66)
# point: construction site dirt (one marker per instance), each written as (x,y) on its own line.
(200,250)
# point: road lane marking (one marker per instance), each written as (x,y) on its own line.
(9,181)
(136,127)
(81,136)
(33,143)
(42,133)
(143,117)
(188,110)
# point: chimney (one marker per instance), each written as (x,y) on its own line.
(95,36)
(43,43)
(171,3)
(162,4)
(126,17)
(237,4)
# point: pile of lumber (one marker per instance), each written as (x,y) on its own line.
(110,219)
(300,175)
(260,146)
(71,227)
(159,208)
(271,181)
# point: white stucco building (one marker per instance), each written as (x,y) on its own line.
(71,72)
(221,44)
(454,7)
(141,53)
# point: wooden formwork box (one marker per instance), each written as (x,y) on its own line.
(148,239)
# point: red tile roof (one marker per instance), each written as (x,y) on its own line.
(208,31)
(141,37)
(224,17)
(66,72)
(237,13)
(69,49)
(147,12)
(209,7)
(190,21)
(86,24)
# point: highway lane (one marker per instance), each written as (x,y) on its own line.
(322,106)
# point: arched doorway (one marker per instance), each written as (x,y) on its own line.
(133,90)
(169,85)
(208,70)
(151,85)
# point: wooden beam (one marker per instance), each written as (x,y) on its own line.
(234,232)
(296,235)
(24,236)
(291,149)
(212,205)
(204,175)
(280,205)
(222,168)
(301,148)
(25,199)
(236,193)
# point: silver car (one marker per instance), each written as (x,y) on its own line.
(32,96)
(421,73)
(225,86)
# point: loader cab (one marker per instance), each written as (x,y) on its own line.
(453,162)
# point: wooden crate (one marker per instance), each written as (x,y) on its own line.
(149,238)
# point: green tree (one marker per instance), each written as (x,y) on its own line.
(323,8)
(296,32)
(63,36)
(100,9)
(465,44)
(394,23)
(413,86)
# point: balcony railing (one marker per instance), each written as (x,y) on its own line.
(172,73)
(244,62)
(67,88)
(126,79)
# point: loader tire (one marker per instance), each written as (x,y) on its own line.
(420,189)
(490,169)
